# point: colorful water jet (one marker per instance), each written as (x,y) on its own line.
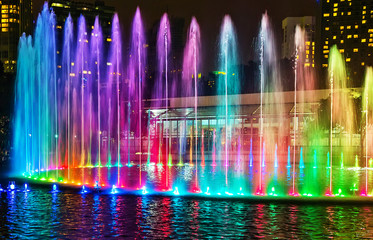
(79,112)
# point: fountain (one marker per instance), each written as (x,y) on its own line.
(228,85)
(80,107)
(190,72)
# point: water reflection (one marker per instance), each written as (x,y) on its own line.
(38,214)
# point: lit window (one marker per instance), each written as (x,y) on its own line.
(363,40)
(335,14)
(363,64)
(342,41)
(356,26)
(348,27)
(348,59)
(325,65)
(335,4)
(334,37)
(349,36)
(356,50)
(356,36)
(364,21)
(341,50)
(326,14)
(342,27)
(325,47)
(349,13)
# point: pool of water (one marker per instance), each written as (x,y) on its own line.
(38,214)
(236,179)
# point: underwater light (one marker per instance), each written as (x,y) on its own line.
(26,188)
(272,193)
(11,186)
(83,190)
(54,188)
(176,191)
(208,191)
(294,194)
(144,190)
(129,164)
(114,190)
(259,193)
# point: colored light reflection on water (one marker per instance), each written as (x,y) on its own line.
(38,214)
(277,181)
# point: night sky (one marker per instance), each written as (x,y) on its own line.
(246,15)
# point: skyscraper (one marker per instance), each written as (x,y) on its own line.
(16,18)
(308,23)
(349,25)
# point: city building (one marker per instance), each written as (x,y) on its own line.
(63,8)
(349,25)
(15,19)
(308,23)
(278,112)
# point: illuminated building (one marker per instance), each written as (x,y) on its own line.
(349,25)
(63,8)
(308,23)
(16,18)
